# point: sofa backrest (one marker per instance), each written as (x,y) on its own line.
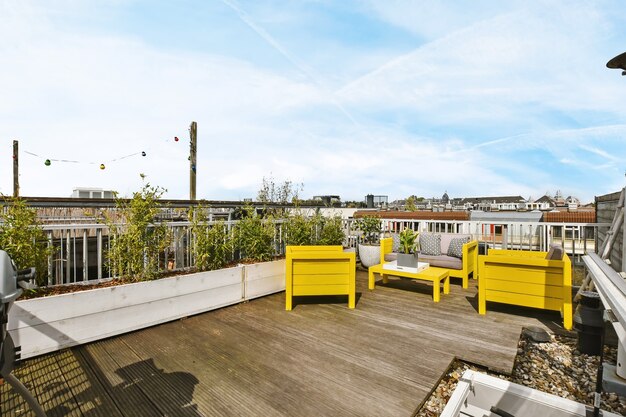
(446,238)
(555,253)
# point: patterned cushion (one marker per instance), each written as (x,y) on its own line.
(456,247)
(430,244)
(396,242)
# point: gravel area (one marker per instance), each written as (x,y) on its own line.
(555,367)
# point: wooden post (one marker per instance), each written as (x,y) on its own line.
(16,171)
(193,134)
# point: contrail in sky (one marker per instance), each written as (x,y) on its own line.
(292,59)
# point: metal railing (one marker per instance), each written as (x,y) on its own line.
(79,250)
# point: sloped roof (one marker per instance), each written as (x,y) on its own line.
(545,199)
(570,217)
(497,199)
(416,215)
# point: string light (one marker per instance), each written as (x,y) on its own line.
(48,161)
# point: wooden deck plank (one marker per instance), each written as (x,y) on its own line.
(255,358)
(12,404)
(50,388)
(310,364)
(234,372)
(169,392)
(129,399)
(93,399)
(185,348)
(489,340)
(341,336)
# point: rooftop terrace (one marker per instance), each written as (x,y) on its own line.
(381,359)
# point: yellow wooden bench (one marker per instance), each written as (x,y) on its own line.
(320,270)
(470,252)
(526,278)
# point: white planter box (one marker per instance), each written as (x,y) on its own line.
(52,323)
(477,393)
(264,278)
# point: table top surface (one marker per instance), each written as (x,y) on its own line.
(429,272)
(393,266)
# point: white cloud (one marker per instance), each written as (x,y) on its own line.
(499,100)
(494,68)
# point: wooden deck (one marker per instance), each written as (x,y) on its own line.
(256,359)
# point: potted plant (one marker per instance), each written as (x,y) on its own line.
(369,246)
(408,246)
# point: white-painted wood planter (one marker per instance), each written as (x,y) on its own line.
(264,278)
(52,323)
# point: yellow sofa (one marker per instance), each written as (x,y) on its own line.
(467,264)
(320,270)
(526,278)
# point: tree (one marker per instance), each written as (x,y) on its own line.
(409,205)
(284,193)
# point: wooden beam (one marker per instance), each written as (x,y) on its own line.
(16,172)
(193,134)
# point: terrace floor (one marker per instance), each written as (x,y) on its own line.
(256,359)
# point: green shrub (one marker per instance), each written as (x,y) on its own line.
(299,230)
(137,240)
(331,231)
(212,244)
(23,238)
(254,236)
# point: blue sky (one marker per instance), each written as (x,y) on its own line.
(348,97)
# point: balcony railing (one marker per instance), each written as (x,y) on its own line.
(80,249)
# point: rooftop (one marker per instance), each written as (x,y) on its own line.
(381,359)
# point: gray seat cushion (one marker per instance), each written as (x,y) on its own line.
(390,257)
(442,261)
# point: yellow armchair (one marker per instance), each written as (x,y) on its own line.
(526,278)
(320,270)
